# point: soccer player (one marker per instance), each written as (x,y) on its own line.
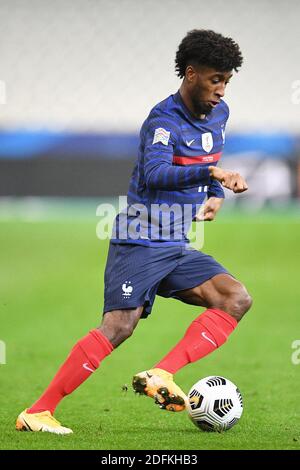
(181,143)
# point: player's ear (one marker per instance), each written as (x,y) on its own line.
(190,73)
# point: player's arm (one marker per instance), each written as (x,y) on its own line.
(215,189)
(216,194)
(159,173)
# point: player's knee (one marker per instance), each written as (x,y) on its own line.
(239,302)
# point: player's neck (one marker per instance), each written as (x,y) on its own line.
(188,102)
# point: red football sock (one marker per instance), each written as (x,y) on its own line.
(82,361)
(206,333)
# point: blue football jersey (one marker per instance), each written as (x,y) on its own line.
(170,180)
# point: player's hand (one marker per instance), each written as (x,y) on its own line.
(209,210)
(229,179)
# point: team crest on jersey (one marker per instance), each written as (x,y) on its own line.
(207,141)
(161,135)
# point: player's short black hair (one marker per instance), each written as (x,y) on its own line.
(205,47)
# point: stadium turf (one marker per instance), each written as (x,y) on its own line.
(51,290)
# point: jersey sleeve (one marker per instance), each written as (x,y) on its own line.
(215,189)
(160,139)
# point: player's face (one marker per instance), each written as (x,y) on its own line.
(206,88)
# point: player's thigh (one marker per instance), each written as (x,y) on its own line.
(213,292)
(222,292)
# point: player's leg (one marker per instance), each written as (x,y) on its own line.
(221,291)
(83,360)
(227,300)
(132,276)
(119,325)
(199,280)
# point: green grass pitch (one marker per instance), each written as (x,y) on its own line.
(51,290)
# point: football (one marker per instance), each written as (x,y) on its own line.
(215,404)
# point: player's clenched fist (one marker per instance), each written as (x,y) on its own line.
(229,179)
